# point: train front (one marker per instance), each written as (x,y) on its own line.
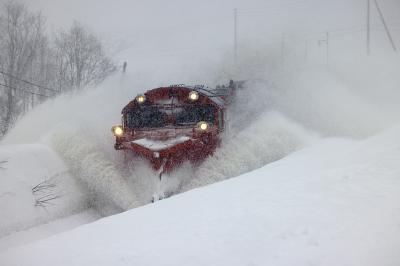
(170,125)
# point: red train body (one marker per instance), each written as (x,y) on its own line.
(170,125)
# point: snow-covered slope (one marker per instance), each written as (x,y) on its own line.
(48,229)
(35,187)
(335,203)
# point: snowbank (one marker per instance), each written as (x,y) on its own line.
(336,203)
(35,187)
(48,229)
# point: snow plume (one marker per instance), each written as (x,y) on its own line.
(322,103)
(146,183)
(110,191)
(355,96)
(277,112)
(93,110)
(269,138)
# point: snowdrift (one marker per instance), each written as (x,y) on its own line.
(335,203)
(35,187)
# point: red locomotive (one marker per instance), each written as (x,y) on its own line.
(170,125)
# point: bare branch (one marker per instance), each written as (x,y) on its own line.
(22,44)
(45,192)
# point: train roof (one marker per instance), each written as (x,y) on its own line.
(214,95)
(217,96)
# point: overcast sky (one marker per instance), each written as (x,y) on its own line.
(204,28)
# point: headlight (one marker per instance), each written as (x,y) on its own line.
(140,98)
(193,96)
(117,131)
(202,126)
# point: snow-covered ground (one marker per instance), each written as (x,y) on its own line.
(335,200)
(48,229)
(335,203)
(35,187)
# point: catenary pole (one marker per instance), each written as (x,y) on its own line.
(385,25)
(327,48)
(283,50)
(368,27)
(235,35)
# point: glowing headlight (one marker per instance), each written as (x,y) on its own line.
(203,126)
(141,98)
(117,131)
(193,96)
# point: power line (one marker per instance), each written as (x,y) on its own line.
(26,91)
(27,82)
(385,25)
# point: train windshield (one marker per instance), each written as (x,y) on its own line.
(157,116)
(146,117)
(195,113)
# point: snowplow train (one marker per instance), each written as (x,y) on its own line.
(171,125)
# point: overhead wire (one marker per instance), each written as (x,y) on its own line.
(27,82)
(24,90)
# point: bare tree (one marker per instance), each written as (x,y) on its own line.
(21,36)
(80,58)
(32,68)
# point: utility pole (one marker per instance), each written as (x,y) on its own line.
(327,48)
(385,25)
(283,50)
(235,35)
(368,27)
(124,67)
(306,52)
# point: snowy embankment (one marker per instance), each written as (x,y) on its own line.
(335,203)
(35,188)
